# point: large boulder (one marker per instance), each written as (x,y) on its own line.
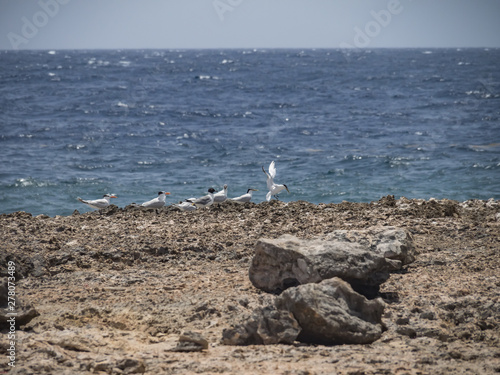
(391,242)
(362,258)
(331,312)
(264,327)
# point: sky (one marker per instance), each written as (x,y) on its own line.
(185,24)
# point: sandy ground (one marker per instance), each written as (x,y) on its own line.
(115,289)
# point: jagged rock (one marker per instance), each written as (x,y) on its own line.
(125,366)
(363,258)
(191,342)
(265,326)
(131,366)
(103,365)
(391,242)
(69,340)
(24,312)
(331,312)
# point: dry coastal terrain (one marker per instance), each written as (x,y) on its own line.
(114,290)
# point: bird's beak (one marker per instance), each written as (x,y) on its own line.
(167,193)
(113,196)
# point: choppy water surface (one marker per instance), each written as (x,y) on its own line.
(340,126)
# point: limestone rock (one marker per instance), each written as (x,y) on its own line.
(331,312)
(125,366)
(363,258)
(191,342)
(265,326)
(24,312)
(392,242)
(131,366)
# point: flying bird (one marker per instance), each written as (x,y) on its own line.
(245,197)
(274,189)
(157,202)
(221,196)
(98,204)
(206,200)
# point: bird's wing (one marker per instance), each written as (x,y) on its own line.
(269,181)
(220,197)
(267,174)
(98,203)
(153,203)
(203,200)
(246,198)
(268,196)
(272,170)
(239,199)
(148,203)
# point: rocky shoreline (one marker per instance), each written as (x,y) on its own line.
(115,290)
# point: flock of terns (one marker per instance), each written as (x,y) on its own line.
(192,204)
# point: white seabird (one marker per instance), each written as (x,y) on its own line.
(273,188)
(221,196)
(187,205)
(98,204)
(206,200)
(245,197)
(157,202)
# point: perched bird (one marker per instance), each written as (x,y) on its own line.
(221,196)
(273,188)
(245,197)
(187,205)
(98,203)
(157,202)
(206,200)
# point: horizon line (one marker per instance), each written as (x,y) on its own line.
(350,49)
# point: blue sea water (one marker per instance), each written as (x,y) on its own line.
(341,125)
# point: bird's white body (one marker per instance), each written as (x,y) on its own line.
(274,188)
(157,202)
(187,205)
(98,204)
(221,196)
(245,197)
(206,200)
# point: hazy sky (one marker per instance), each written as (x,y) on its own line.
(88,24)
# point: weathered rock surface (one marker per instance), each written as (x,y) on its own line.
(266,326)
(191,342)
(115,290)
(24,312)
(331,312)
(391,242)
(363,258)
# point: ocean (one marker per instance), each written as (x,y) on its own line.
(341,125)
